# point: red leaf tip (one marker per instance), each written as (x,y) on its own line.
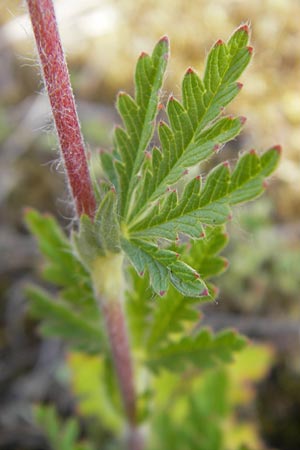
(239,85)
(226,164)
(226,263)
(185,172)
(243,119)
(198,177)
(219,42)
(160,106)
(143,55)
(245,28)
(162,293)
(252,151)
(250,50)
(265,184)
(204,293)
(278,148)
(196,275)
(216,148)
(171,98)
(164,39)
(189,71)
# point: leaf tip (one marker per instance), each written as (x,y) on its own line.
(278,149)
(219,42)
(164,39)
(143,55)
(242,120)
(239,85)
(216,148)
(160,106)
(198,177)
(226,164)
(204,293)
(244,28)
(171,98)
(202,235)
(148,155)
(162,293)
(189,71)
(185,172)
(265,184)
(250,50)
(196,275)
(226,263)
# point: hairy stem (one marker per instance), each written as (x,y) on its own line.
(57,82)
(110,290)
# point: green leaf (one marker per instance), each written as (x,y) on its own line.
(139,119)
(163,267)
(195,131)
(139,302)
(62,321)
(99,236)
(62,268)
(62,435)
(211,204)
(202,351)
(171,315)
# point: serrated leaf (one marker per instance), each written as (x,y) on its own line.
(171,314)
(138,116)
(164,268)
(202,351)
(60,320)
(168,167)
(210,205)
(139,302)
(62,268)
(184,143)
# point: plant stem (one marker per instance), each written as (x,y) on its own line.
(57,82)
(62,102)
(108,281)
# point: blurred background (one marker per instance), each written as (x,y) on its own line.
(259,294)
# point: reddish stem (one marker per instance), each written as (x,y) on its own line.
(118,338)
(62,102)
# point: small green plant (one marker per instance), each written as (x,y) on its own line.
(148,238)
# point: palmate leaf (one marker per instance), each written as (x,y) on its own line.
(201,351)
